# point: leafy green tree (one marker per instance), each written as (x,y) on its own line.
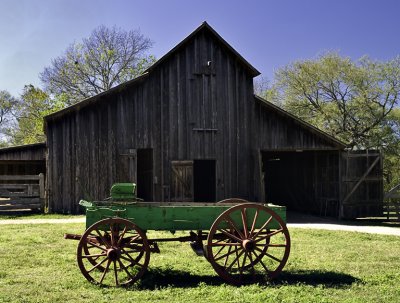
(354,101)
(33,106)
(8,106)
(109,56)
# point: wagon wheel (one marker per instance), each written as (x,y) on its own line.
(113,252)
(248,241)
(233,201)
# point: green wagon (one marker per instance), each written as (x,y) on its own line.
(243,241)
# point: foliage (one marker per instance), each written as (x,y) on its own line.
(38,265)
(8,105)
(33,106)
(354,101)
(109,56)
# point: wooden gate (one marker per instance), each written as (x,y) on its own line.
(362,184)
(182,181)
(22,192)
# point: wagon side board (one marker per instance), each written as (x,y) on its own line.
(161,216)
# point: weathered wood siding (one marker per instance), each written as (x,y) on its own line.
(276,131)
(24,152)
(197,104)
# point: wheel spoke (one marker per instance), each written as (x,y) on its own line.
(122,236)
(243,263)
(268,235)
(223,256)
(271,245)
(231,236)
(259,258)
(244,221)
(105,271)
(219,251)
(112,234)
(133,261)
(125,269)
(233,225)
(227,257)
(236,259)
(115,273)
(97,265)
(265,225)
(93,256)
(97,246)
(106,244)
(254,222)
(225,244)
(251,263)
(269,255)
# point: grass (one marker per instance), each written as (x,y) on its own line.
(30,215)
(38,265)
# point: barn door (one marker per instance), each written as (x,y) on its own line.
(182,181)
(362,184)
(126,170)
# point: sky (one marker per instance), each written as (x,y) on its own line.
(268,34)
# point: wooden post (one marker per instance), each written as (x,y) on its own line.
(42,192)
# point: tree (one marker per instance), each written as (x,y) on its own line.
(33,106)
(8,105)
(109,56)
(353,101)
(349,100)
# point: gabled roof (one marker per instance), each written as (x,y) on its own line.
(206,27)
(203,27)
(332,140)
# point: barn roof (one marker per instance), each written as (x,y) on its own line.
(332,140)
(206,27)
(203,27)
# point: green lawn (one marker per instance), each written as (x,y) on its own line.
(29,215)
(38,265)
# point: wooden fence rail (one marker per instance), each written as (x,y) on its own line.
(22,192)
(392,211)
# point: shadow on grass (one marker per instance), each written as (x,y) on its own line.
(157,278)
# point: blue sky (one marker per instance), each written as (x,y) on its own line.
(269,34)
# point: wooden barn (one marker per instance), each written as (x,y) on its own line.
(191,129)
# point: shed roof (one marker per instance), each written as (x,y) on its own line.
(332,140)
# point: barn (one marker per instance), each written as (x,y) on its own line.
(191,129)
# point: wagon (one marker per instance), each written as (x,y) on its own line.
(243,241)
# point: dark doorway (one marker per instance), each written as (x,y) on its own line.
(289,178)
(145,174)
(204,180)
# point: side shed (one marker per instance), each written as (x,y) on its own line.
(22,176)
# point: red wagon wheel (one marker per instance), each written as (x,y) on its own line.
(113,252)
(248,241)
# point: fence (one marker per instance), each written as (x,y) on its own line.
(22,192)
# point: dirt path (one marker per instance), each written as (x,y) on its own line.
(382,230)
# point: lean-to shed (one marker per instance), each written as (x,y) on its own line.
(191,129)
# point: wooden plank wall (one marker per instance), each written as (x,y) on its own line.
(24,153)
(186,109)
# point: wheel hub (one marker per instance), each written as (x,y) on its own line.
(248,244)
(113,253)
